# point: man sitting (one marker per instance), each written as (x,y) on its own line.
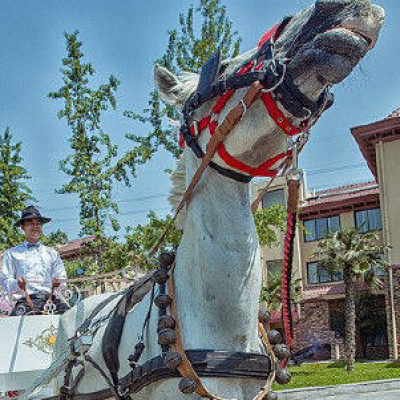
(32,271)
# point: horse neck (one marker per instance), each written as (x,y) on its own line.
(218,275)
(219,203)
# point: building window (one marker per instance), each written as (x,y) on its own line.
(368,220)
(273,198)
(317,229)
(317,274)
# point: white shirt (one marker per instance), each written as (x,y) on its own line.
(38,265)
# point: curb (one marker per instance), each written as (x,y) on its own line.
(317,393)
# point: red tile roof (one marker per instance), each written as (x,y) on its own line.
(74,248)
(341,199)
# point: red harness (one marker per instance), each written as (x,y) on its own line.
(265,169)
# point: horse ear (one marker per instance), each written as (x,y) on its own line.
(168,85)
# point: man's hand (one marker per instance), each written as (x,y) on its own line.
(22,283)
(56,283)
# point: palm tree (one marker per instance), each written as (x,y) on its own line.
(359,256)
(272,292)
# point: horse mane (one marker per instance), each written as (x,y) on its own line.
(187,85)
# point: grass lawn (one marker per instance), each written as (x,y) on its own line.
(326,374)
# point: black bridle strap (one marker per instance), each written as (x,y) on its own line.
(234,82)
(199,153)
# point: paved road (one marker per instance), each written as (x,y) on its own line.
(377,390)
(389,395)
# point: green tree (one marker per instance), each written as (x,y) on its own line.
(141,239)
(55,238)
(358,256)
(272,292)
(14,193)
(188,50)
(269,222)
(93,166)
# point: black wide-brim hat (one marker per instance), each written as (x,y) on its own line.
(31,212)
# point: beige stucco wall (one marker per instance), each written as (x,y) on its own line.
(388,157)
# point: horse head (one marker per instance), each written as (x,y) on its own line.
(319,47)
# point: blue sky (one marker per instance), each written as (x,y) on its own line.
(124,38)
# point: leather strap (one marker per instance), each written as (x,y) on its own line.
(207,364)
(267,387)
(292,204)
(293,195)
(29,300)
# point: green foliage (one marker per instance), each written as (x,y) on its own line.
(143,238)
(93,166)
(188,49)
(361,254)
(14,193)
(55,238)
(268,223)
(272,292)
(115,255)
(131,253)
(86,266)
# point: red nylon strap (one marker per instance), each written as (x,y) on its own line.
(287,259)
(200,125)
(222,101)
(282,122)
(268,35)
(278,117)
(262,170)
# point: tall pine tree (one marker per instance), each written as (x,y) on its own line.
(93,166)
(188,50)
(14,193)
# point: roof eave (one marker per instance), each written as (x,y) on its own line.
(367,136)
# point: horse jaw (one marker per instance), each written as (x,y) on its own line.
(325,42)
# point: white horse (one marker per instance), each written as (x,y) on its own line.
(218,273)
